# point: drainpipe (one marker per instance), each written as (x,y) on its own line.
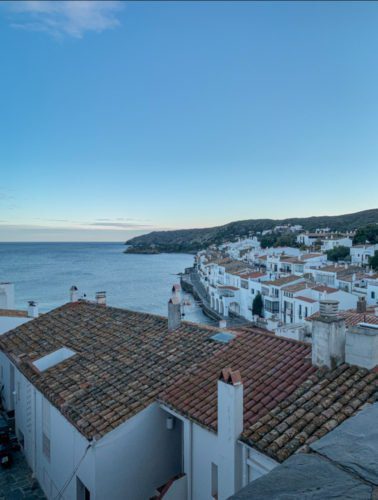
(188,456)
(35,433)
(244,465)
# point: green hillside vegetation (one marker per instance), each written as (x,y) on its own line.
(192,240)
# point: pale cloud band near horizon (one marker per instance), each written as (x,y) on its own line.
(64,18)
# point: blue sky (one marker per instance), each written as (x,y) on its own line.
(118,118)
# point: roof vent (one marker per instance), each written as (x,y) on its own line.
(53,358)
(223,337)
(329,308)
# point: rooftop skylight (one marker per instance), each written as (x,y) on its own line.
(53,358)
(223,337)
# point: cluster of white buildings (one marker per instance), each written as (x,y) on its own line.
(291,281)
(111,403)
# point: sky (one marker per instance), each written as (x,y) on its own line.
(119,118)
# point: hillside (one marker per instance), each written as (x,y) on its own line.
(192,240)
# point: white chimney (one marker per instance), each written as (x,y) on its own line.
(222,323)
(6,296)
(74,294)
(328,336)
(174,313)
(101,298)
(230,427)
(361,347)
(32,309)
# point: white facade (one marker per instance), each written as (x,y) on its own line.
(360,254)
(6,296)
(372,292)
(129,462)
(218,464)
(331,243)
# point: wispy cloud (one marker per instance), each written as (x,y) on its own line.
(65,18)
(120,225)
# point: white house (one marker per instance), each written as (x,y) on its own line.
(245,419)
(372,291)
(360,254)
(9,316)
(113,404)
(331,242)
(83,380)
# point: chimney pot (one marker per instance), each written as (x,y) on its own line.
(74,294)
(101,298)
(361,305)
(329,308)
(174,313)
(32,309)
(328,336)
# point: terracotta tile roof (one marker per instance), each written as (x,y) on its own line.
(297,287)
(228,287)
(319,405)
(324,288)
(13,313)
(342,272)
(306,299)
(271,368)
(124,359)
(307,256)
(351,317)
(253,275)
(282,281)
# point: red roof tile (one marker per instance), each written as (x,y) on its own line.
(264,362)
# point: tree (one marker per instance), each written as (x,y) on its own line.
(373,261)
(257,305)
(365,234)
(338,253)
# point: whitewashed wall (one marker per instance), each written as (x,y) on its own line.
(138,456)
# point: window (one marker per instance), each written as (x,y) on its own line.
(214,480)
(373,295)
(53,358)
(306,312)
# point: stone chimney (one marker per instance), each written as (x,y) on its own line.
(32,309)
(174,313)
(74,294)
(361,305)
(230,427)
(6,296)
(101,298)
(361,347)
(328,336)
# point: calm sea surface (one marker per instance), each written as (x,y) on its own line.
(45,271)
